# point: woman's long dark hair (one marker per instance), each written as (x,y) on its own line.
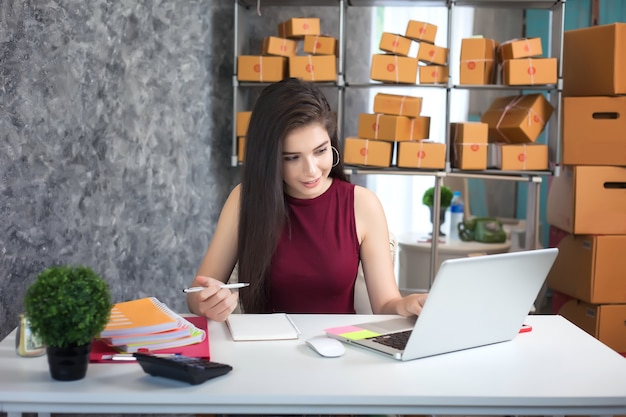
(281,108)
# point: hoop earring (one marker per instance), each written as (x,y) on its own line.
(335,151)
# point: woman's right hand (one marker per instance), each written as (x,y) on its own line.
(213,302)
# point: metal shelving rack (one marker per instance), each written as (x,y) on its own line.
(556,9)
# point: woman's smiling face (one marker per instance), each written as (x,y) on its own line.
(307,161)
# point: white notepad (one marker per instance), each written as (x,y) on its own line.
(275,326)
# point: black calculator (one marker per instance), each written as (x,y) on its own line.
(183,368)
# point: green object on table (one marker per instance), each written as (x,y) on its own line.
(482,229)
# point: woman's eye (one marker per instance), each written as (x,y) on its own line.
(321,151)
(290,158)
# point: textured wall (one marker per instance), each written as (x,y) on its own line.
(115,141)
(115,137)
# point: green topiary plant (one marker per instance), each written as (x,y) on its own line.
(67,305)
(446,196)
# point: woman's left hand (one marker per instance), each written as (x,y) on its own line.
(413,303)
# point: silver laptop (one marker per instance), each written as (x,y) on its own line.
(474,301)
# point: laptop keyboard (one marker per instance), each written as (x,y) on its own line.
(395,340)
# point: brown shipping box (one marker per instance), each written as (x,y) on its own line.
(594,61)
(393,128)
(520,48)
(433,74)
(273,45)
(394,68)
(604,322)
(588,200)
(432,54)
(397,104)
(478,61)
(594,131)
(529,71)
(421,154)
(591,268)
(469,145)
(243,119)
(319,45)
(261,68)
(421,31)
(517,119)
(316,68)
(395,44)
(366,152)
(518,157)
(298,27)
(241,148)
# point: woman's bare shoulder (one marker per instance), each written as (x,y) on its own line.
(364,197)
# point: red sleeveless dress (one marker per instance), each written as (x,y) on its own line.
(316,262)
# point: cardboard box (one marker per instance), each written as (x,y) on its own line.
(421,31)
(432,54)
(594,61)
(478,61)
(243,119)
(317,68)
(395,44)
(588,200)
(319,45)
(298,27)
(397,104)
(241,148)
(520,48)
(529,71)
(366,152)
(421,154)
(393,128)
(591,268)
(604,322)
(517,119)
(518,157)
(394,69)
(273,45)
(259,68)
(593,131)
(469,145)
(433,74)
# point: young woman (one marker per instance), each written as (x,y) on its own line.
(295,226)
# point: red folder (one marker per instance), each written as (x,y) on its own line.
(99,349)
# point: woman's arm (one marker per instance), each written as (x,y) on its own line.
(380,279)
(219,260)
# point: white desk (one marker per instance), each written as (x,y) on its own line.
(585,377)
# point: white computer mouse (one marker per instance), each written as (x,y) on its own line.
(327,347)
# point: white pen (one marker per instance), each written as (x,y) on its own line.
(229,286)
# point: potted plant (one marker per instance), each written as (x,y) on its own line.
(428,199)
(67,306)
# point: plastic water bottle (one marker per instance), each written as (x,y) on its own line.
(457,211)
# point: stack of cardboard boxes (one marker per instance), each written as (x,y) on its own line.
(396,66)
(515,122)
(396,133)
(511,124)
(587,202)
(395,126)
(280,59)
(522,63)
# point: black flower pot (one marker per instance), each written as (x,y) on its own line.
(442,218)
(68,363)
